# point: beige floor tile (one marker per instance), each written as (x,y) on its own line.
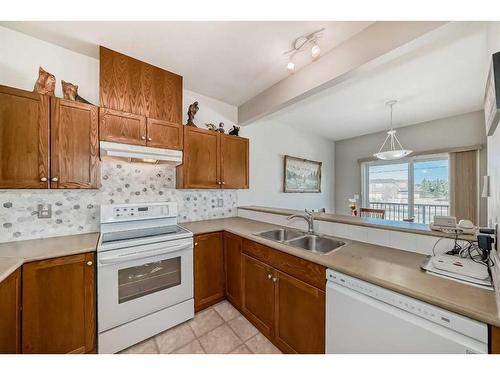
(259,344)
(194,347)
(243,328)
(220,340)
(174,338)
(205,321)
(226,310)
(144,347)
(243,349)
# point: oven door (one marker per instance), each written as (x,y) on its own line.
(136,281)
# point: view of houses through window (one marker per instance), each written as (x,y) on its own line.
(415,189)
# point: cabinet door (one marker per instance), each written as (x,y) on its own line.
(59,305)
(234,162)
(258,294)
(122,127)
(208,270)
(232,266)
(164,134)
(10,317)
(24,139)
(201,159)
(75,145)
(300,316)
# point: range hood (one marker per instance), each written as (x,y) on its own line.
(133,153)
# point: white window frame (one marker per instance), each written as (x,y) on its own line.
(365,201)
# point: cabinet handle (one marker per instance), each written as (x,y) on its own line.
(196,244)
(89,263)
(223,182)
(43,179)
(143,137)
(150,139)
(274,279)
(54,179)
(269,276)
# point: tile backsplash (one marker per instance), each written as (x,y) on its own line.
(77,211)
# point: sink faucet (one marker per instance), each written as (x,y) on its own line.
(308,217)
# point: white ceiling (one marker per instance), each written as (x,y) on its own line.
(230,61)
(445,77)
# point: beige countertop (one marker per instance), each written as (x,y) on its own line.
(390,268)
(401,226)
(14,254)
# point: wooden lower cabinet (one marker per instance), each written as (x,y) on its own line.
(232,268)
(300,316)
(258,294)
(208,270)
(494,340)
(59,305)
(10,314)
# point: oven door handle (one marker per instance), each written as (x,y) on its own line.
(142,254)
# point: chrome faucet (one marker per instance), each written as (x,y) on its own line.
(308,217)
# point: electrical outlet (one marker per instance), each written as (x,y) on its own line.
(44,211)
(220,202)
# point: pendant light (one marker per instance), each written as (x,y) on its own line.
(394,150)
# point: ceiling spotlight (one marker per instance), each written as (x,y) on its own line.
(315,50)
(300,44)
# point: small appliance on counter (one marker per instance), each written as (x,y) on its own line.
(448,224)
(144,273)
(467,263)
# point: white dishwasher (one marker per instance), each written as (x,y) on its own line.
(364,318)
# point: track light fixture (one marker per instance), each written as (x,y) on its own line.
(301,44)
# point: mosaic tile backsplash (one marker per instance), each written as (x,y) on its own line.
(77,211)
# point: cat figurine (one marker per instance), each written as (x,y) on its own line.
(70,92)
(46,83)
(235,130)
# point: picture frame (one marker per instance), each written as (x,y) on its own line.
(301,175)
(492,96)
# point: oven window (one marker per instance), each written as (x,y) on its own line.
(139,281)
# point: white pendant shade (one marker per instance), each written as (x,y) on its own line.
(394,150)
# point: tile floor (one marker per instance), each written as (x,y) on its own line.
(219,329)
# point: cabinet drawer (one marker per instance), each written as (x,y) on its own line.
(309,272)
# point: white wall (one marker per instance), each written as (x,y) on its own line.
(463,130)
(269,142)
(210,110)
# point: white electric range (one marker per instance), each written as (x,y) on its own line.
(144,273)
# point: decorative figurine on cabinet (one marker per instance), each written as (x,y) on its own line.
(46,82)
(221,128)
(70,92)
(192,110)
(211,127)
(234,130)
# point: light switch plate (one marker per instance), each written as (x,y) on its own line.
(220,202)
(44,211)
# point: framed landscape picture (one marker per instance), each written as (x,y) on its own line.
(301,175)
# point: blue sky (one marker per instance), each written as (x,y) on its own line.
(430,170)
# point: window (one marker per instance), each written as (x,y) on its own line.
(416,188)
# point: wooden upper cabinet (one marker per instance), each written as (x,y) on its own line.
(234,162)
(213,160)
(300,316)
(122,127)
(208,270)
(258,287)
(74,145)
(232,266)
(59,305)
(130,85)
(165,134)
(24,139)
(10,314)
(201,166)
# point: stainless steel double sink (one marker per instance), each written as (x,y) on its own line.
(314,242)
